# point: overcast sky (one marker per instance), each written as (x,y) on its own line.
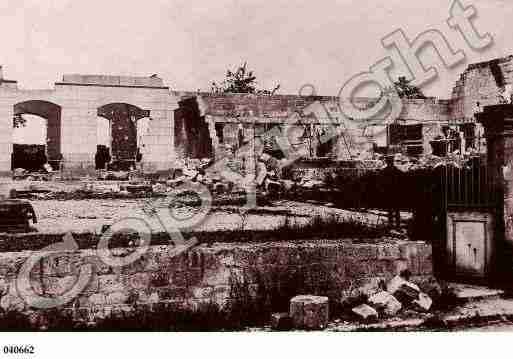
(190,43)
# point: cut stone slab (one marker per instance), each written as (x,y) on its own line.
(365,312)
(469,293)
(309,311)
(281,321)
(385,302)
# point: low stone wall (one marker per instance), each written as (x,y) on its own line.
(206,273)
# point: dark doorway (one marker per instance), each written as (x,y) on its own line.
(29,157)
(123,117)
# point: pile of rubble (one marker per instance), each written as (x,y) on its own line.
(407,163)
(21,174)
(400,294)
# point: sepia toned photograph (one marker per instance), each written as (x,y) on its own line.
(255,167)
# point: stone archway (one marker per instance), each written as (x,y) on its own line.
(123,119)
(52,113)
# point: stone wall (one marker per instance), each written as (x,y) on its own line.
(231,112)
(336,268)
(480,82)
(79,98)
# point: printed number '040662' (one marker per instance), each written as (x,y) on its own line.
(18,349)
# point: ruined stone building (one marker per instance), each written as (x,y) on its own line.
(184,125)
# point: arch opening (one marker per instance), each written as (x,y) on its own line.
(37,140)
(123,147)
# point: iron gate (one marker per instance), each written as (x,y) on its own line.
(469,202)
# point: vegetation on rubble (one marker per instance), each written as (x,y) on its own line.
(405,89)
(242,80)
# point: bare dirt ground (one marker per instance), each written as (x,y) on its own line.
(89,215)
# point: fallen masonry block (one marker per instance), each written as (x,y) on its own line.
(365,312)
(407,293)
(385,302)
(309,311)
(281,321)
(424,303)
(397,282)
(410,290)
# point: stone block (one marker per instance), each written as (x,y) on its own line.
(281,321)
(365,312)
(386,303)
(407,293)
(309,311)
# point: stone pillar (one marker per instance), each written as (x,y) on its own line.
(498,124)
(6,128)
(159,154)
(78,139)
(7,101)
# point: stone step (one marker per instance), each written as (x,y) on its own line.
(472,293)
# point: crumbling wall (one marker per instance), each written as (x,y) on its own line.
(207,272)
(481,82)
(228,112)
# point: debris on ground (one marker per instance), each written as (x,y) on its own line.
(309,312)
(21,174)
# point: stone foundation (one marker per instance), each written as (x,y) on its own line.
(207,273)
